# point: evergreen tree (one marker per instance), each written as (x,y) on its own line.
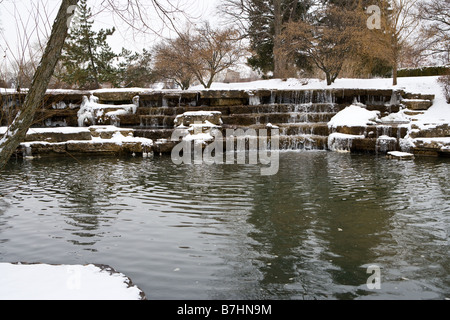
(135,69)
(87,57)
(263,21)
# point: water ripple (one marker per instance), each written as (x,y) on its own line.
(227,232)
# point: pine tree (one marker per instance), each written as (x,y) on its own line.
(135,69)
(87,57)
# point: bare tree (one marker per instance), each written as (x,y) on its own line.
(327,37)
(32,28)
(175,61)
(435,15)
(17,131)
(154,16)
(201,54)
(217,50)
(398,24)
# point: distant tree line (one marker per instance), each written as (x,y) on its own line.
(296,37)
(276,38)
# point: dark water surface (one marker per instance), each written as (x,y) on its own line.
(226,232)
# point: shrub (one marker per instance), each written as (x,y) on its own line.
(424,71)
(445,82)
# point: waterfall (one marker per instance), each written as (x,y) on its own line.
(385,144)
(165,102)
(301,115)
(27,152)
(254,100)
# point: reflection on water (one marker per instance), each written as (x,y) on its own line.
(226,232)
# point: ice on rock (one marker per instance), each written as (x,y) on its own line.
(92,113)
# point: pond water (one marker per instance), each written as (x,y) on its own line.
(226,232)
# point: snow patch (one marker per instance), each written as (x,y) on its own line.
(398,117)
(354,116)
(400,154)
(64,282)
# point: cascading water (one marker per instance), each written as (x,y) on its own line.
(309,113)
(301,115)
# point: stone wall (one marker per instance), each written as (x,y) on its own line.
(301,115)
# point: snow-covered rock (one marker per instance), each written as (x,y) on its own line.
(354,116)
(400,155)
(188,118)
(92,113)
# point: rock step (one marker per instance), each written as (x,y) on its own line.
(161,121)
(318,129)
(437,131)
(277,118)
(303,142)
(384,109)
(153,134)
(243,109)
(351,143)
(436,146)
(375,131)
(417,104)
(57,135)
(95,140)
(154,121)
(71,148)
(164,117)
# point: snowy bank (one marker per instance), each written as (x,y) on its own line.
(65,282)
(92,140)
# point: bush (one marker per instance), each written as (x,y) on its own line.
(424,72)
(445,82)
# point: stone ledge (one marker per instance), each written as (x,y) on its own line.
(439,130)
(417,104)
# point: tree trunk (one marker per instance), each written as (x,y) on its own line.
(94,68)
(329,78)
(278,61)
(17,131)
(395,73)
(395,60)
(211,80)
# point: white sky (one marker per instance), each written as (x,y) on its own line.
(17,15)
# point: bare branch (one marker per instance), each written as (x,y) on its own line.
(148,16)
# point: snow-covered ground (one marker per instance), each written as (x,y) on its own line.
(64,282)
